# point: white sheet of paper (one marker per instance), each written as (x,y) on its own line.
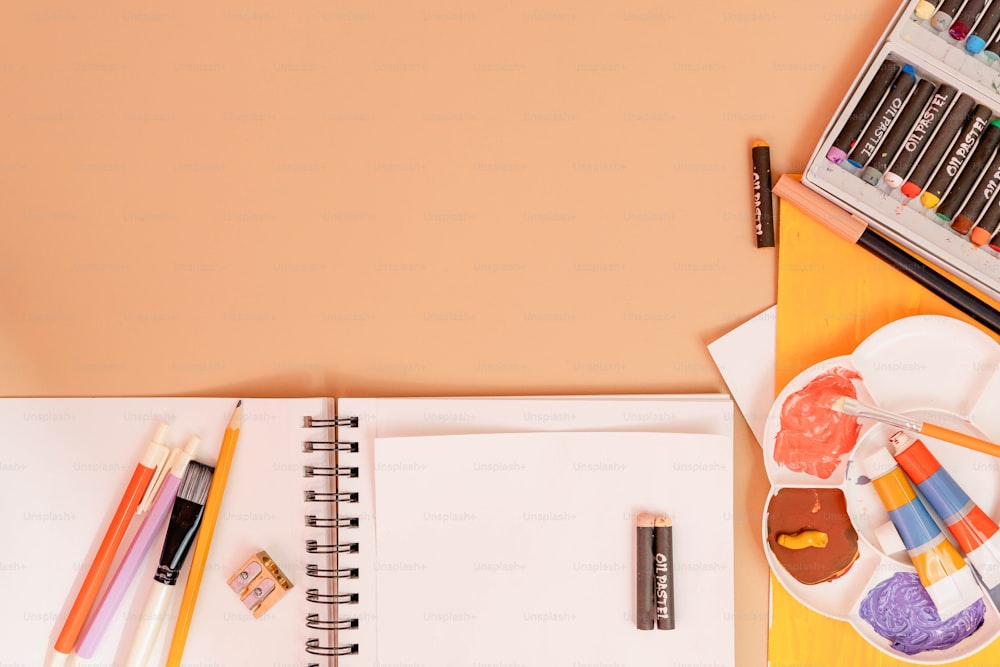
(519,548)
(746,357)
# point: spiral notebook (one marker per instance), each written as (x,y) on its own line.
(417,531)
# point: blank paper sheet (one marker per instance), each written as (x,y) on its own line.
(519,549)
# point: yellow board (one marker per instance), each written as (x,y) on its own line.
(831,295)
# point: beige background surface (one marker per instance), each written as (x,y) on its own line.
(390,198)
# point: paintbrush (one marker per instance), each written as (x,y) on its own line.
(185,518)
(852,406)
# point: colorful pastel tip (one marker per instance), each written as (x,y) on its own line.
(910,189)
(980,236)
(924,10)
(975,44)
(929,200)
(857,165)
(959,30)
(940,21)
(942,216)
(892,180)
(871,176)
(836,155)
(908,69)
(962,224)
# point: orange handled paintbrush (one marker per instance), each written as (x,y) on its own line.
(852,406)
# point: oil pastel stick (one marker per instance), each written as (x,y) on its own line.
(763,201)
(899,131)
(949,582)
(971,172)
(987,227)
(864,149)
(945,14)
(922,130)
(992,52)
(953,122)
(956,156)
(962,25)
(663,562)
(979,199)
(863,111)
(645,606)
(977,535)
(976,41)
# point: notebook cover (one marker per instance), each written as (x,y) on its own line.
(831,295)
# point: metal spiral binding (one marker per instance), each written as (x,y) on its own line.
(314,547)
(343,573)
(314,521)
(333,523)
(311,422)
(313,595)
(316,623)
(328,471)
(324,497)
(313,647)
(329,446)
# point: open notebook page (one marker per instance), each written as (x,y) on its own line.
(519,549)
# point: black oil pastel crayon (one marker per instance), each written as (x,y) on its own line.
(863,111)
(921,133)
(763,201)
(988,223)
(899,131)
(929,160)
(956,156)
(979,199)
(970,172)
(976,41)
(663,562)
(864,149)
(966,19)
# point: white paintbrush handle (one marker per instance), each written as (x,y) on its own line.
(152,617)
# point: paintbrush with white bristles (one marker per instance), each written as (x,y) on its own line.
(852,406)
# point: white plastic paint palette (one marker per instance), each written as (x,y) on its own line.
(931,367)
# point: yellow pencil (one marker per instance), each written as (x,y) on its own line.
(204,541)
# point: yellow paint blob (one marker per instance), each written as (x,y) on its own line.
(804,539)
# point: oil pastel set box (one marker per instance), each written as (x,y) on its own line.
(912,148)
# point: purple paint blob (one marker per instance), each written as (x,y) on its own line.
(900,610)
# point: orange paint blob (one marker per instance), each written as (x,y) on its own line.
(813,438)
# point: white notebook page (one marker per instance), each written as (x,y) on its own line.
(519,549)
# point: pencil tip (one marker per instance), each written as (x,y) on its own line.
(239,402)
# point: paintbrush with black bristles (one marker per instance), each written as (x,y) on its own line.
(185,518)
